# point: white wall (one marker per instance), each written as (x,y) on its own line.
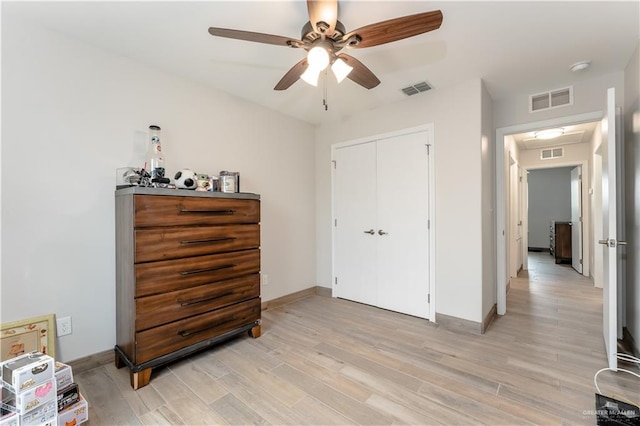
(455,113)
(589,96)
(488,204)
(632,143)
(71,115)
(549,199)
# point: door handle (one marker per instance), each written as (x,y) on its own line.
(370,232)
(611,242)
(381,232)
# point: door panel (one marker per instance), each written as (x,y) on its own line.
(609,228)
(576,218)
(355,210)
(403,214)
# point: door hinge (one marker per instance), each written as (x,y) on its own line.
(428,298)
(520,178)
(334,163)
(581,261)
(428,148)
(336,280)
(428,224)
(335,222)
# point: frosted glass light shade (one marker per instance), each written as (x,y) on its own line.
(340,69)
(318,58)
(549,133)
(311,75)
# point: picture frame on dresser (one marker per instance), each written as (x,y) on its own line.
(28,335)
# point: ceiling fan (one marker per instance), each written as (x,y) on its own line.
(324,37)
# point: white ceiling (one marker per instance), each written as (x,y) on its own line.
(515,47)
(578,133)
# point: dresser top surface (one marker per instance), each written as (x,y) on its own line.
(143,190)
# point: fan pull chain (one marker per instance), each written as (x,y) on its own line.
(325,102)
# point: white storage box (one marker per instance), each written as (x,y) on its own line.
(75,414)
(46,414)
(27,371)
(30,399)
(64,375)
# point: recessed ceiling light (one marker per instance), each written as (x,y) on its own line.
(579,66)
(549,133)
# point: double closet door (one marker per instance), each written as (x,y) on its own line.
(381,219)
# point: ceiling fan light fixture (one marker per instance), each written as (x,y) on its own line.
(340,69)
(549,133)
(318,58)
(311,75)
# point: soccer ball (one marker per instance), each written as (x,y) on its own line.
(185,179)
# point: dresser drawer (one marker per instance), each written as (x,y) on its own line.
(161,309)
(152,210)
(171,275)
(171,337)
(174,243)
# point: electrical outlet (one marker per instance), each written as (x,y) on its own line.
(265,279)
(63,326)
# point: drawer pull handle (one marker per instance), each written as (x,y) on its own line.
(205,241)
(185,333)
(227,211)
(202,271)
(202,299)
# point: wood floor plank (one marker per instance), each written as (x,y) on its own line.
(162,415)
(236,412)
(107,405)
(349,407)
(262,402)
(184,402)
(198,381)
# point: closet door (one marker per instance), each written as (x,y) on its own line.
(355,251)
(381,239)
(403,227)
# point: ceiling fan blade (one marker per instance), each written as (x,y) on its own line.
(257,37)
(360,73)
(396,29)
(323,11)
(292,75)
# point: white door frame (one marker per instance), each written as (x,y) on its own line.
(501,208)
(432,208)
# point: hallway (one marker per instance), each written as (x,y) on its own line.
(558,312)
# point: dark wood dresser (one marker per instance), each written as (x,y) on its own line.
(560,241)
(187,274)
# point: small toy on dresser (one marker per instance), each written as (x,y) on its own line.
(186,179)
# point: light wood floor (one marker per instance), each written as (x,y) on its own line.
(329,361)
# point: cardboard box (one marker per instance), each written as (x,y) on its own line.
(30,399)
(64,375)
(44,414)
(27,371)
(75,414)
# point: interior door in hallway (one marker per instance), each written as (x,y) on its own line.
(609,239)
(576,218)
(383,186)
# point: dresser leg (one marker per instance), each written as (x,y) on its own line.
(255,332)
(118,361)
(140,379)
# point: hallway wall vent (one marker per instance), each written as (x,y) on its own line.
(551,99)
(548,154)
(414,89)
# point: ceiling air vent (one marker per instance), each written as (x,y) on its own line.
(423,86)
(547,154)
(551,99)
